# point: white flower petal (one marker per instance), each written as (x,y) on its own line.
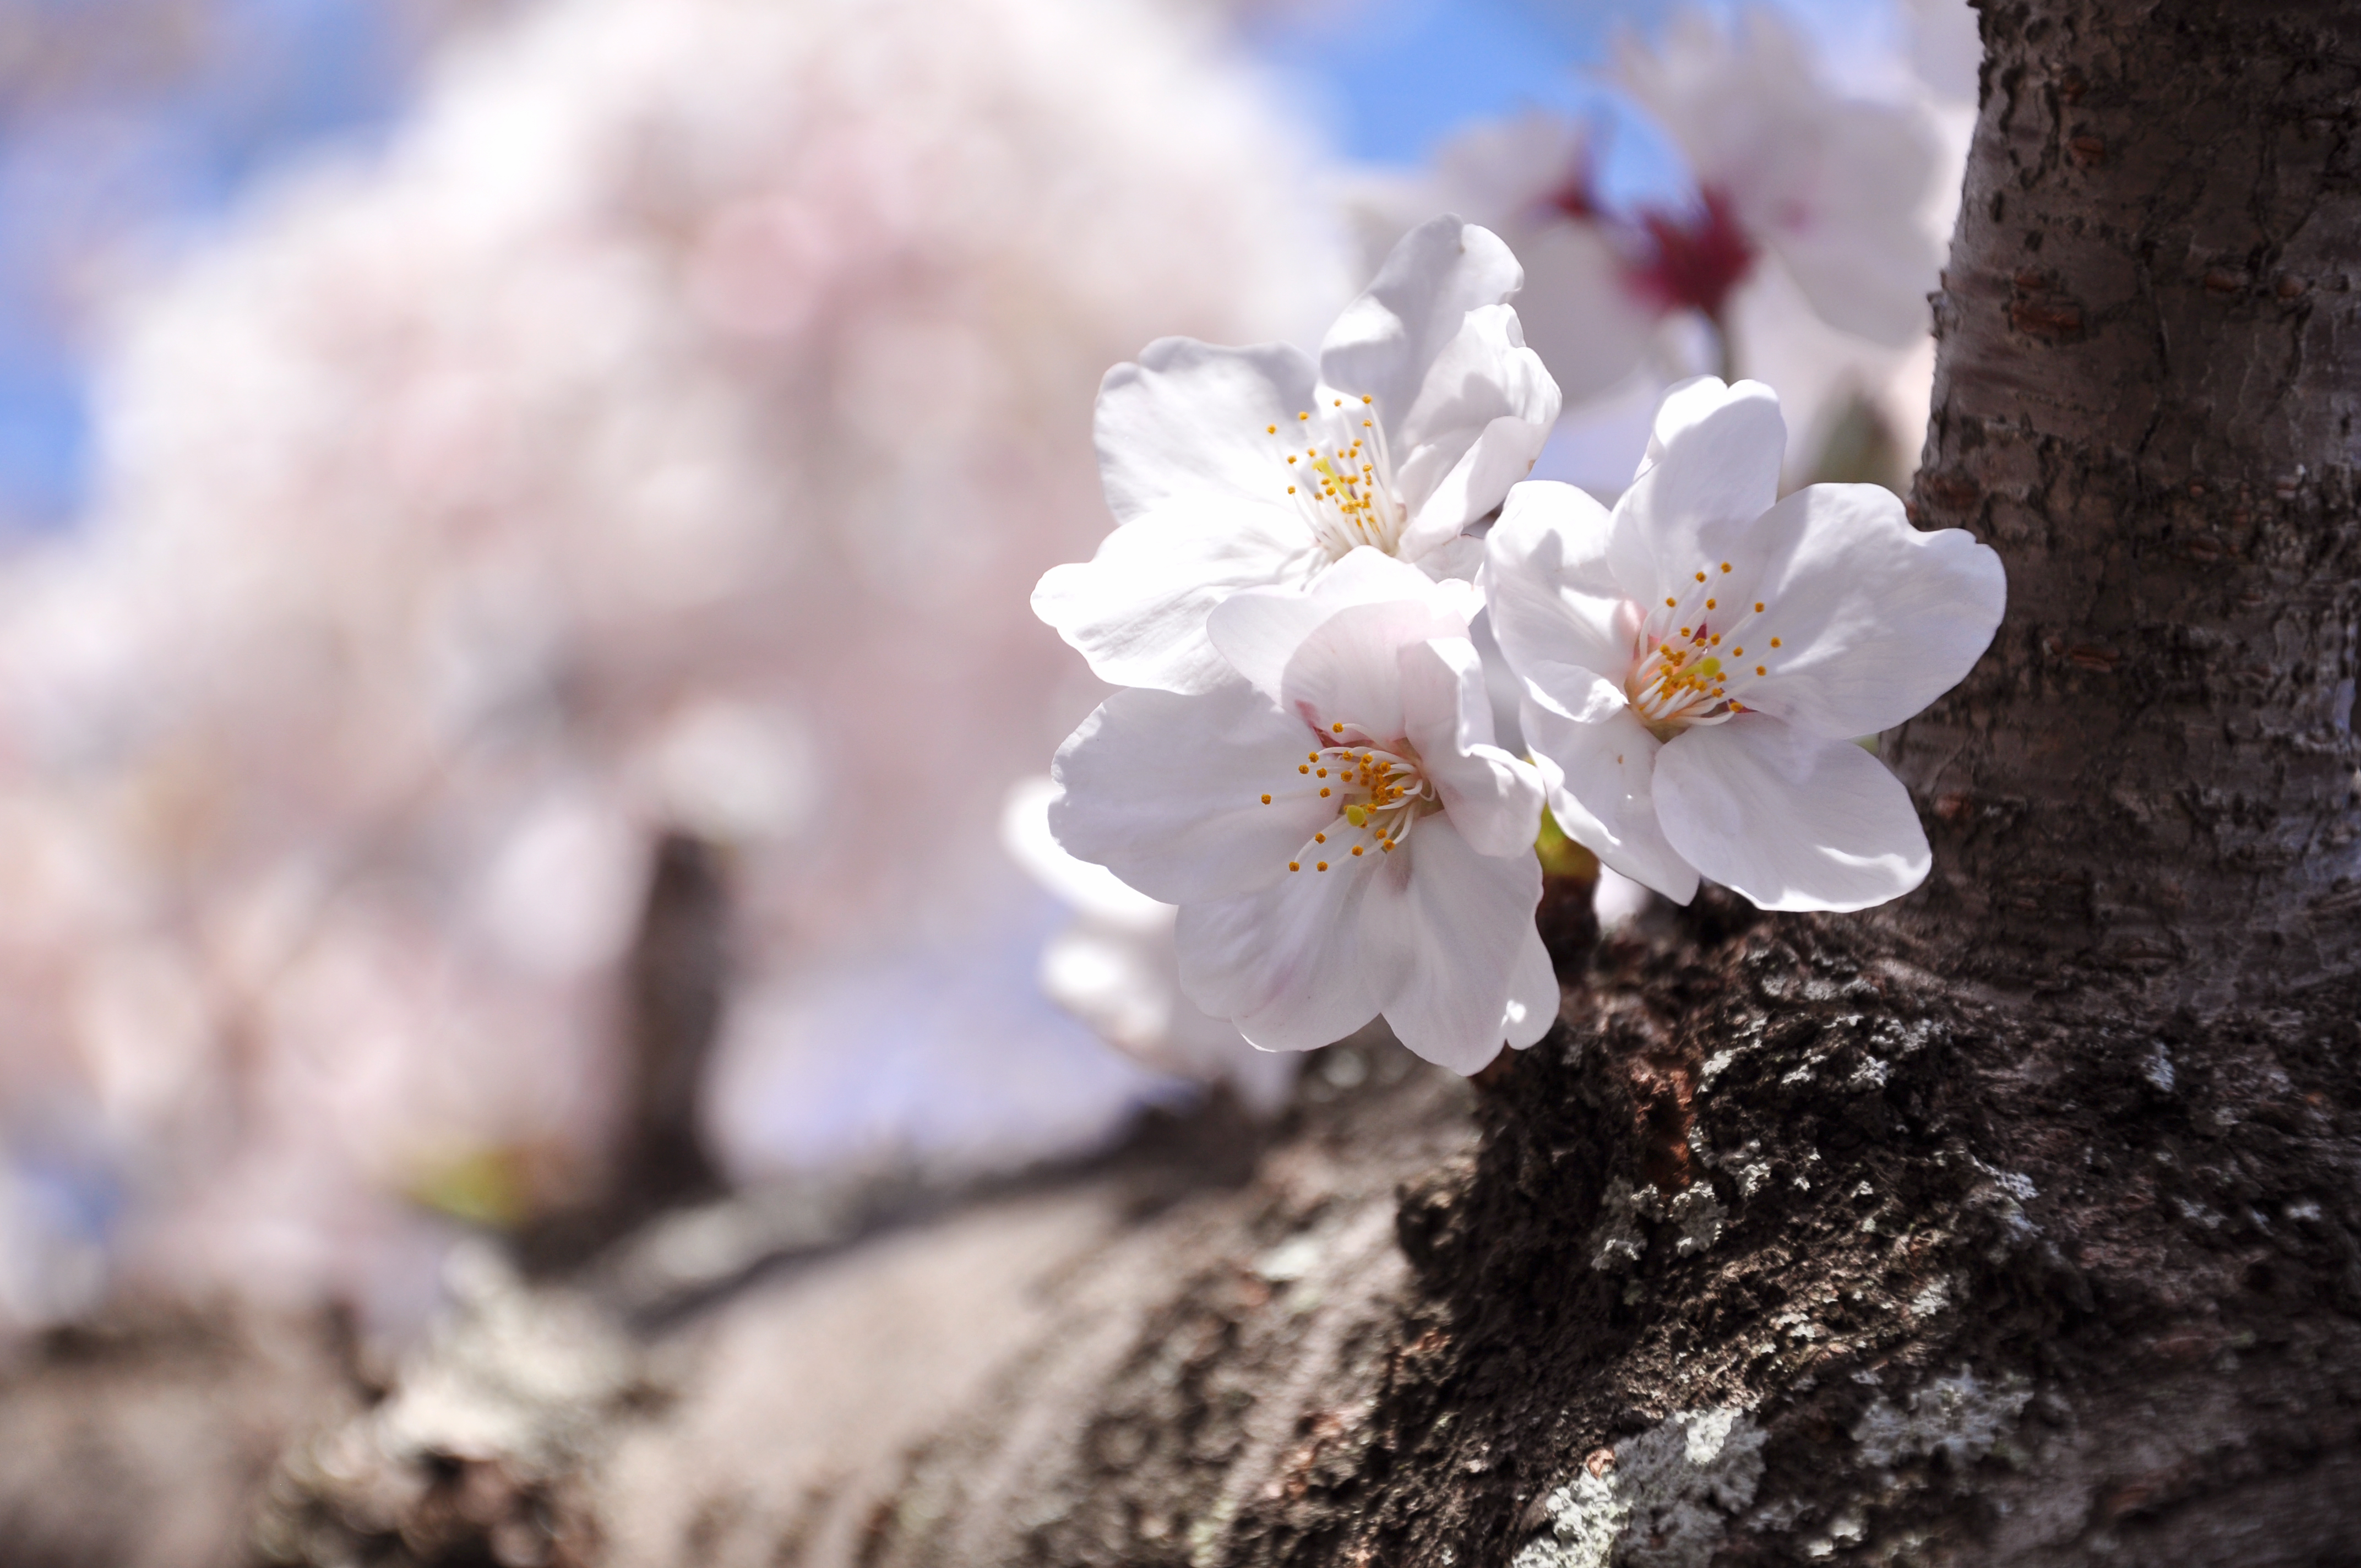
(1791,820)
(1875,618)
(1093,890)
(1579,314)
(1296,966)
(1463,925)
(1455,560)
(1386,341)
(1166,792)
(1257,633)
(1712,469)
(1190,422)
(1480,417)
(1494,800)
(1862,259)
(1117,982)
(1534,994)
(1548,585)
(1136,610)
(1598,763)
(1349,672)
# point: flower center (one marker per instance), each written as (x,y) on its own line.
(1380,791)
(1696,257)
(1342,478)
(1682,672)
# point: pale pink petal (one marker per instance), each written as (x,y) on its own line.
(1480,417)
(1295,965)
(1091,890)
(1455,560)
(1791,820)
(1348,672)
(1534,994)
(1465,925)
(1548,585)
(1598,763)
(1258,633)
(1192,421)
(1876,619)
(1137,609)
(1166,792)
(1712,469)
(1386,341)
(1494,800)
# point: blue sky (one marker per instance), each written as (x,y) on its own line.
(1388,79)
(161,116)
(86,164)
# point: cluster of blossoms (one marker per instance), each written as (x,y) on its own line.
(1304,761)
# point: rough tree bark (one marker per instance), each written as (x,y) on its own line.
(2019,1223)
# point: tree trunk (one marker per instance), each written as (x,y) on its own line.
(2016,1225)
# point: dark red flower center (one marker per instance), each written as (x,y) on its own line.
(1693,258)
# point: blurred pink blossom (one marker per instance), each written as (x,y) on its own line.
(664,429)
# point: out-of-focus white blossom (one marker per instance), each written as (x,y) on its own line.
(661,431)
(1696,665)
(1234,468)
(1342,837)
(1830,186)
(1116,968)
(1809,244)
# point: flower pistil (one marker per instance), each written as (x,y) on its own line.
(1681,675)
(1380,793)
(1345,493)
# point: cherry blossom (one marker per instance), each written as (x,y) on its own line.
(1340,834)
(1233,468)
(1697,664)
(1804,252)
(1830,185)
